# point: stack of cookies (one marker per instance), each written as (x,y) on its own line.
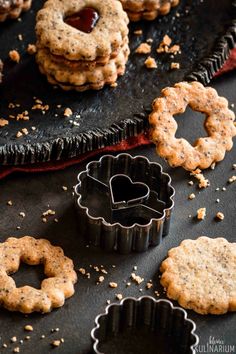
(147,9)
(82,44)
(13,8)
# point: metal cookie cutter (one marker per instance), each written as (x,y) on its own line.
(124,203)
(144,325)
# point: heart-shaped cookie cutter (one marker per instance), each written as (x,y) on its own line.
(124,203)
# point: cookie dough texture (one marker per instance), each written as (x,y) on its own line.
(147,9)
(201,275)
(58,269)
(219,125)
(13,8)
(77,60)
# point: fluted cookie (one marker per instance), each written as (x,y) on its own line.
(82,44)
(201,275)
(13,8)
(147,9)
(219,125)
(58,269)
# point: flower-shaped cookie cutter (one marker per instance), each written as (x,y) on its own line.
(166,325)
(124,203)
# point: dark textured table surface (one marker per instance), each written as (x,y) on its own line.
(34,194)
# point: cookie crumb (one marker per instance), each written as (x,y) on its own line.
(42,336)
(190,183)
(3,122)
(150,63)
(119,296)
(49,212)
(108,302)
(22,214)
(191,196)
(234,166)
(14,56)
(20,37)
(14,339)
(101,279)
(136,278)
(213,165)
(56,343)
(28,328)
(138,32)
(201,213)
(203,182)
(113,285)
(82,271)
(149,285)
(31,49)
(18,134)
(175,66)
(143,48)
(232,179)
(68,112)
(220,216)
(25,131)
(114,84)
(9,203)
(16,350)
(64,188)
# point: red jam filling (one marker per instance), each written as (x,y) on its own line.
(84,20)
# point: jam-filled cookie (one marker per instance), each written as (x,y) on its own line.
(147,9)
(82,44)
(13,8)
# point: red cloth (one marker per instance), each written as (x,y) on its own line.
(128,144)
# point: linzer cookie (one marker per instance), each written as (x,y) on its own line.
(82,44)
(58,269)
(147,9)
(219,125)
(201,275)
(13,8)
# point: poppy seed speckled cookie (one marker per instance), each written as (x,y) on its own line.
(219,125)
(59,271)
(147,9)
(87,40)
(13,8)
(201,275)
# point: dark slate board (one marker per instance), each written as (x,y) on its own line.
(206,33)
(33,193)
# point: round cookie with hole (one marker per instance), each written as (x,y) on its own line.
(55,288)
(219,125)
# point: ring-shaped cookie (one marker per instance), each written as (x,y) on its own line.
(64,40)
(59,270)
(219,125)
